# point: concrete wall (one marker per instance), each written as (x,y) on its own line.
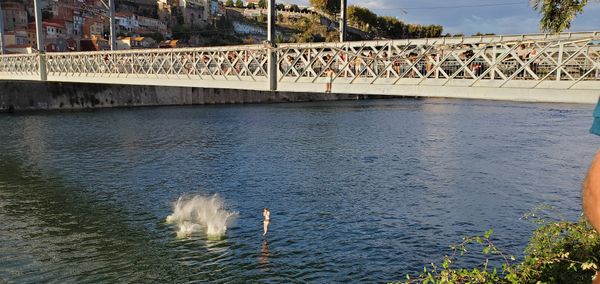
(23,95)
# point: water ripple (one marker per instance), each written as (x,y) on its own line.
(361,191)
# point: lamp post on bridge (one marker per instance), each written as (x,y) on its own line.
(38,26)
(343,20)
(40,39)
(111,16)
(1,31)
(272,53)
(110,6)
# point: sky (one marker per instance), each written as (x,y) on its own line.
(471,16)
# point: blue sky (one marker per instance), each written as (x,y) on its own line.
(504,17)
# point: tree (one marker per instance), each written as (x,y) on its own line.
(229,3)
(558,14)
(362,18)
(295,8)
(390,27)
(239,4)
(262,4)
(250,6)
(330,6)
(278,6)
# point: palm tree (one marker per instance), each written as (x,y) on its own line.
(557,14)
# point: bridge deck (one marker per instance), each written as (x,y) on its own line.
(489,66)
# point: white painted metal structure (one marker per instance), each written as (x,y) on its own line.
(1,31)
(343,19)
(539,67)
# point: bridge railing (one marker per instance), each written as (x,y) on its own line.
(223,63)
(24,66)
(543,61)
(560,61)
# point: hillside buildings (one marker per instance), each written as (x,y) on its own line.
(71,25)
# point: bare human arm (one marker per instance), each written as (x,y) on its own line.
(591,198)
(591,193)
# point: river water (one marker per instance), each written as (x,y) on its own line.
(358,190)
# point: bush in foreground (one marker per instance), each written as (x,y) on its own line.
(558,252)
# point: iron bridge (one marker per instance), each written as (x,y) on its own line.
(521,67)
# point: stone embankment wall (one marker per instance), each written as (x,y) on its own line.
(20,96)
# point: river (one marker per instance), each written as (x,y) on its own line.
(359,191)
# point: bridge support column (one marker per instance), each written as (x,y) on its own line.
(40,40)
(343,19)
(272,62)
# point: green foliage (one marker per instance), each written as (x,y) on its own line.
(557,15)
(558,252)
(391,27)
(562,252)
(239,4)
(279,39)
(229,3)
(329,6)
(294,8)
(277,6)
(251,6)
(262,4)
(312,31)
(362,18)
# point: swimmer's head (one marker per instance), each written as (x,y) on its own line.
(266,209)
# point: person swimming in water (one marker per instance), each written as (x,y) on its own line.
(266,221)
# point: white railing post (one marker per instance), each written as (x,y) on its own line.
(560,59)
(494,63)
(272,60)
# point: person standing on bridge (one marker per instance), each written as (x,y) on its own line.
(329,74)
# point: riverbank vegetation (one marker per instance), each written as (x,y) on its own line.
(558,252)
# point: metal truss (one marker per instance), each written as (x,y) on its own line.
(538,61)
(490,61)
(244,63)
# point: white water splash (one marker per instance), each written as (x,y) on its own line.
(199,213)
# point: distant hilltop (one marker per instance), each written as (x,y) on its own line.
(83,25)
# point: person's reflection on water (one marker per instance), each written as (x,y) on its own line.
(264,254)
